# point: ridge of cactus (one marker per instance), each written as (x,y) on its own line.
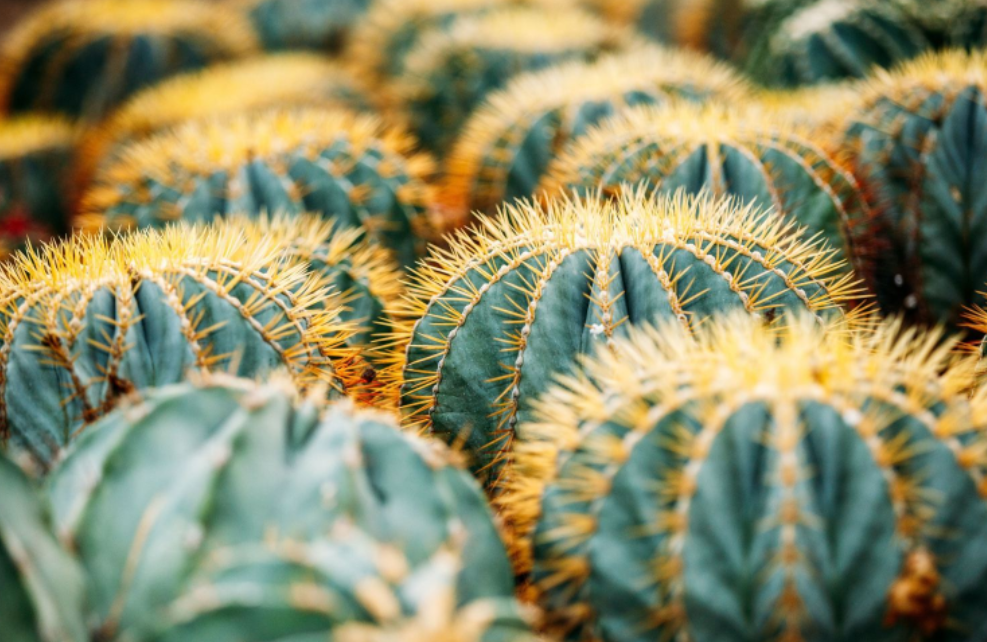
(506,145)
(510,304)
(319,25)
(351,168)
(789,484)
(83,57)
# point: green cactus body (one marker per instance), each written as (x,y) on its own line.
(450,72)
(918,143)
(968,24)
(84,323)
(751,485)
(161,487)
(43,588)
(322,25)
(82,58)
(752,154)
(507,144)
(494,318)
(348,168)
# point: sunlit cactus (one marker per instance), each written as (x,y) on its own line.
(89,321)
(755,484)
(506,146)
(822,108)
(503,310)
(322,25)
(751,152)
(84,57)
(164,486)
(349,168)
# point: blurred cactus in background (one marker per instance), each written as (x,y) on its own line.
(321,25)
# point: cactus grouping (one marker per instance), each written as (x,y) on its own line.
(321,25)
(501,312)
(327,161)
(505,148)
(84,57)
(750,484)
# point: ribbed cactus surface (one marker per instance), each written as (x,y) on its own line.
(756,485)
(501,312)
(322,25)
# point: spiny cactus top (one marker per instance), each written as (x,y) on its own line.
(43,589)
(321,25)
(159,487)
(821,107)
(84,57)
(347,167)
(751,153)
(88,321)
(501,312)
(751,485)
(919,144)
(507,144)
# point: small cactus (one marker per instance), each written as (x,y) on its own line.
(751,484)
(82,58)
(321,25)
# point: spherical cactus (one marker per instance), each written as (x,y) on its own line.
(751,485)
(332,162)
(508,143)
(43,588)
(918,143)
(195,469)
(84,57)
(751,153)
(496,316)
(303,24)
(88,321)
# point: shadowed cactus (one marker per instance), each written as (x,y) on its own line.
(88,321)
(751,153)
(84,57)
(322,25)
(505,309)
(346,167)
(176,479)
(43,587)
(754,484)
(508,143)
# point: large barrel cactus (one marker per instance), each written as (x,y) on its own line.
(84,57)
(322,25)
(753,154)
(162,486)
(42,585)
(751,485)
(500,313)
(347,167)
(86,322)
(507,144)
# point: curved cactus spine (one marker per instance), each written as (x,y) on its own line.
(86,322)
(495,317)
(84,57)
(43,588)
(322,25)
(750,484)
(346,167)
(753,154)
(507,144)
(160,486)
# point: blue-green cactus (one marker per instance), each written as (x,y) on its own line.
(322,25)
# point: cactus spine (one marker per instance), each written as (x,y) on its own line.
(321,25)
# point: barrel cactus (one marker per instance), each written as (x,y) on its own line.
(82,58)
(321,25)
(500,313)
(192,470)
(508,143)
(750,484)
(347,167)
(752,153)
(43,588)
(86,322)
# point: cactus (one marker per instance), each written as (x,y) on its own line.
(43,592)
(487,328)
(193,470)
(332,162)
(748,484)
(86,322)
(749,153)
(82,58)
(507,144)
(450,72)
(918,142)
(321,25)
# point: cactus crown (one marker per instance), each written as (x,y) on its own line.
(946,72)
(136,16)
(28,134)
(818,106)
